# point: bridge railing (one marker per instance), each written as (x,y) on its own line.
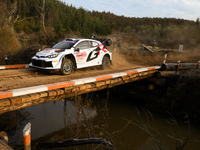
(179,65)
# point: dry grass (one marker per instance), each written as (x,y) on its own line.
(9,44)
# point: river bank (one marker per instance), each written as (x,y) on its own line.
(174,92)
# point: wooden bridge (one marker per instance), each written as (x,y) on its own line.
(25,97)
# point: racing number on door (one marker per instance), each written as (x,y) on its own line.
(93,54)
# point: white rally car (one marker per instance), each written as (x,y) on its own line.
(73,53)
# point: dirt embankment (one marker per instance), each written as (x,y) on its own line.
(19,78)
(175,93)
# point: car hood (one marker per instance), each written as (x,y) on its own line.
(47,52)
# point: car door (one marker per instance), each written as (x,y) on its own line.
(93,56)
(82,52)
(86,54)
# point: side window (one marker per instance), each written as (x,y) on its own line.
(94,44)
(83,45)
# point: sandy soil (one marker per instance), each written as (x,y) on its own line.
(19,78)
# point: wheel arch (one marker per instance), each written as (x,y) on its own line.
(71,57)
(107,55)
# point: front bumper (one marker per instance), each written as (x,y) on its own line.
(44,69)
(41,63)
(52,65)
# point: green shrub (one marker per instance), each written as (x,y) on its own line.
(27,29)
(18,26)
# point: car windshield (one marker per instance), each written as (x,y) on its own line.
(63,45)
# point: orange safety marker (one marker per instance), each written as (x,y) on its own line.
(165,58)
(6,94)
(153,68)
(131,72)
(198,65)
(60,85)
(178,63)
(103,77)
(27,136)
(177,66)
(15,66)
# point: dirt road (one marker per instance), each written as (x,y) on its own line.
(19,78)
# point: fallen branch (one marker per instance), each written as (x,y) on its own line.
(75,142)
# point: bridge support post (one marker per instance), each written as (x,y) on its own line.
(163,67)
(198,65)
(178,64)
(27,136)
(165,58)
(4,137)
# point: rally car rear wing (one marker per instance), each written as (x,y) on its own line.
(105,42)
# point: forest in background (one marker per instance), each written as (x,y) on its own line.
(38,22)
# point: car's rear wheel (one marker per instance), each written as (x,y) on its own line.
(105,62)
(67,67)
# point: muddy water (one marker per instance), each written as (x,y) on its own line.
(102,115)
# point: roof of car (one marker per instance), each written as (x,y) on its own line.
(78,39)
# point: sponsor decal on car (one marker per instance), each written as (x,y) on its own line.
(47,50)
(102,48)
(70,42)
(56,50)
(81,55)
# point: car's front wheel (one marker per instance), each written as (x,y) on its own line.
(105,62)
(67,67)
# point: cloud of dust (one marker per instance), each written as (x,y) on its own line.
(174,36)
(187,56)
(136,60)
(154,59)
(147,59)
(120,61)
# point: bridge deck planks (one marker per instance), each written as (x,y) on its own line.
(18,102)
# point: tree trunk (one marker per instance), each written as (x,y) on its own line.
(41,11)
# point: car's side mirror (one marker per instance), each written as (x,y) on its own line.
(76,49)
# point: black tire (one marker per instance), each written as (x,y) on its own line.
(105,62)
(67,67)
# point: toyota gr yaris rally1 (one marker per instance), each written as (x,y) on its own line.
(73,53)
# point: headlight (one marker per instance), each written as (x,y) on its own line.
(53,56)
